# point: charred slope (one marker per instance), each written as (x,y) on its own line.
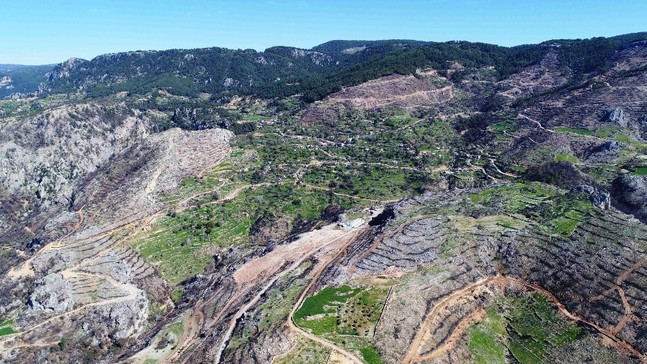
(168,246)
(593,273)
(76,286)
(444,269)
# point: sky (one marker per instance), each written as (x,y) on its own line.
(51,31)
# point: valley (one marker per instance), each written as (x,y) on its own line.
(486,205)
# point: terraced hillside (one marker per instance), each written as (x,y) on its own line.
(487,208)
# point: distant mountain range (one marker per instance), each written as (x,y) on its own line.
(284,71)
(21,79)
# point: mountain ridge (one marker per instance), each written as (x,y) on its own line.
(267,79)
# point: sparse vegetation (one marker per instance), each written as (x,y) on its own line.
(563,214)
(183,243)
(489,197)
(305,352)
(513,198)
(176,295)
(503,126)
(278,306)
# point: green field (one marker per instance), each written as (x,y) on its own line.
(484,339)
(563,214)
(554,213)
(370,354)
(6,331)
(346,316)
(641,171)
(566,158)
(182,244)
(324,305)
(514,197)
(562,129)
(504,126)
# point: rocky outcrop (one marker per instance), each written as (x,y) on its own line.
(599,198)
(123,319)
(617,116)
(87,135)
(52,295)
(87,283)
(630,192)
(64,69)
(318,58)
(6,82)
(604,153)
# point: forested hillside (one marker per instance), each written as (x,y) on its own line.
(285,71)
(21,80)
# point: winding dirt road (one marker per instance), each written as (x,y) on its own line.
(260,274)
(292,325)
(413,354)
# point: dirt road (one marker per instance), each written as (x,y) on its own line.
(259,275)
(413,354)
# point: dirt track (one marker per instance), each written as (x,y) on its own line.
(260,274)
(25,268)
(413,354)
(322,243)
(317,273)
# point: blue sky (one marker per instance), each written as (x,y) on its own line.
(38,32)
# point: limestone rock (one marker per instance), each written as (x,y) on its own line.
(53,295)
(126,318)
(617,116)
(5,81)
(599,198)
(87,135)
